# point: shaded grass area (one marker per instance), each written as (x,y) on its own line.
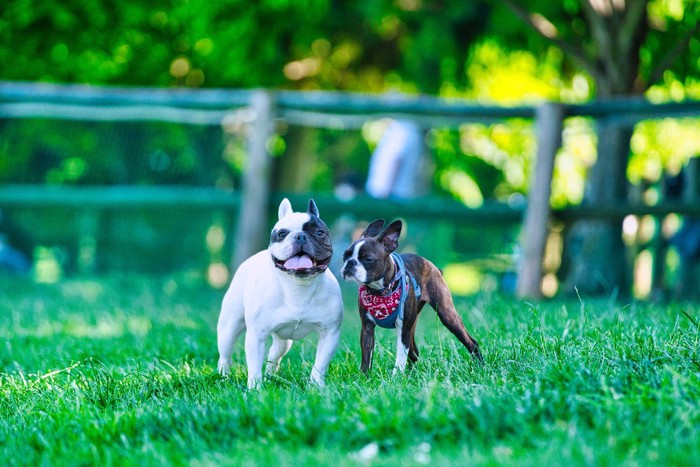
(122,370)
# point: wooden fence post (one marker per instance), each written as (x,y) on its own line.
(251,228)
(549,125)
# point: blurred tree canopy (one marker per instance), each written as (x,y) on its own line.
(624,46)
(411,45)
(363,45)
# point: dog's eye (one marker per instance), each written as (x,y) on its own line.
(282,234)
(320,233)
(346,255)
(367,259)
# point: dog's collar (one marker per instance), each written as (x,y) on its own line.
(391,287)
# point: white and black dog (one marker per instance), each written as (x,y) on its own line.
(286,291)
(393,290)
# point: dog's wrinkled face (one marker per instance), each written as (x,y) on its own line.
(368,260)
(300,243)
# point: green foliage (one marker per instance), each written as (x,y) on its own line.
(666,40)
(662,147)
(122,371)
(312,43)
(155,43)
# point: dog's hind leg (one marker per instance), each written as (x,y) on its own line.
(255,355)
(279,349)
(226,339)
(450,318)
(230,326)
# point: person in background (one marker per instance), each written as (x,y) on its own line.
(396,167)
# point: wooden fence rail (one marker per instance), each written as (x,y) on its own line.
(324,110)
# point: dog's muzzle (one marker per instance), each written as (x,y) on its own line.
(349,270)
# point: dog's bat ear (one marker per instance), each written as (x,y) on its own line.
(313,210)
(373,229)
(389,238)
(284,209)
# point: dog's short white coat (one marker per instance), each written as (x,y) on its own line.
(264,301)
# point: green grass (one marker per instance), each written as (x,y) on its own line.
(122,371)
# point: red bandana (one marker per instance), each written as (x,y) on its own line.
(380,306)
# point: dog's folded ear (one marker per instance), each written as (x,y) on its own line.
(284,209)
(373,229)
(389,238)
(313,210)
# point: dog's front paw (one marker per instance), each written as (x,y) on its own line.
(224,367)
(399,369)
(317,378)
(271,368)
(254,382)
(319,383)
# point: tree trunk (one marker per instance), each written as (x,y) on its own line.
(599,259)
(599,263)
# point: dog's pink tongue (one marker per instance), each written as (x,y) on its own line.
(298,262)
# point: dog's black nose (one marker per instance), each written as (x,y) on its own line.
(300,237)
